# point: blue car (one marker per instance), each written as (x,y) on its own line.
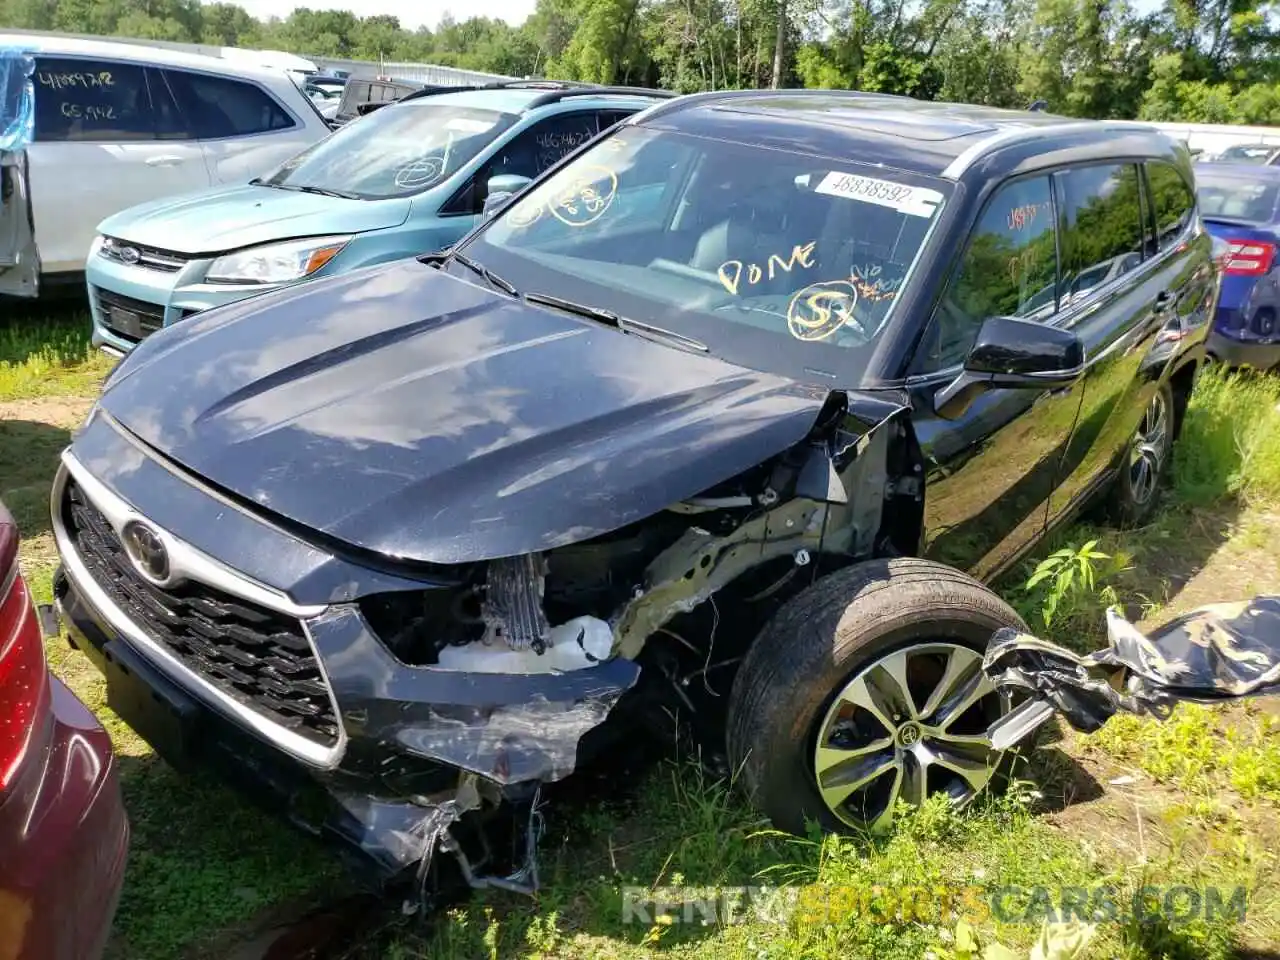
(409,179)
(1240,205)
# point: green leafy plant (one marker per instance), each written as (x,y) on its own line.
(1057,941)
(1069,578)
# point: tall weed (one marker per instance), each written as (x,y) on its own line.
(1230,443)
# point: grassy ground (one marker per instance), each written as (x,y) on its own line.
(1192,801)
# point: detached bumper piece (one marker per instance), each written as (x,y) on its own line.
(1220,652)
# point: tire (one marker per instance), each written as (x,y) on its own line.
(1145,463)
(842,628)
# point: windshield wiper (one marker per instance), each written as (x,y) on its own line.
(319,191)
(322,192)
(447,254)
(618,322)
(477,267)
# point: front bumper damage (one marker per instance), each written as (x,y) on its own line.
(412,767)
(418,747)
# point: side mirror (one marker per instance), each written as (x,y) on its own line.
(1013,354)
(501,189)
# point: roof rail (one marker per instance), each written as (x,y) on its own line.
(716,96)
(531,84)
(556,96)
(542,82)
(431,91)
(557,90)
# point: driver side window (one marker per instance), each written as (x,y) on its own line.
(1009,268)
(527,154)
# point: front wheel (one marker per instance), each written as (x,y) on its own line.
(866,689)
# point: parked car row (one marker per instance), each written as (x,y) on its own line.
(113,125)
(752,389)
(400,182)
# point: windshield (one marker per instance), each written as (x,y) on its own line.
(1247,154)
(777,261)
(1235,198)
(395,152)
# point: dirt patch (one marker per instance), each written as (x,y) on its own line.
(1130,817)
(1126,819)
(1245,563)
(65,412)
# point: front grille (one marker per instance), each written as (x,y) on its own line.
(261,658)
(153,258)
(128,317)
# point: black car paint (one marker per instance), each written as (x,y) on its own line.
(523,428)
(1019,462)
(184,434)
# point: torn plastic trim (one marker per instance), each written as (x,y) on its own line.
(1212,654)
(508,728)
(700,564)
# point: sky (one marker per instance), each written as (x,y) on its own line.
(412,13)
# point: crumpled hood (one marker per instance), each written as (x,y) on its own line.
(412,413)
(231,218)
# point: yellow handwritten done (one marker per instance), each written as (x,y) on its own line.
(731,271)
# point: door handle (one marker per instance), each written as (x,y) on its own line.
(167,160)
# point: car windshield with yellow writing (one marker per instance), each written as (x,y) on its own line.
(392,153)
(760,254)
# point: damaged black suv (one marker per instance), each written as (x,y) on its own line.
(725,418)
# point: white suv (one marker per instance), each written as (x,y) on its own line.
(117,124)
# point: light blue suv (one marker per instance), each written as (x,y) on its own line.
(408,179)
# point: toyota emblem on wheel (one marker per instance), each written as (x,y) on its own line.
(147,551)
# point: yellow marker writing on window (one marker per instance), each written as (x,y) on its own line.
(820,309)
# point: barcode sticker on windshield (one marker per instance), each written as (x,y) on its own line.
(467,125)
(913,201)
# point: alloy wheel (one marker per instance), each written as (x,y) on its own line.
(912,724)
(1148,450)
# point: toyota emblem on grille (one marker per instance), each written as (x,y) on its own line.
(147,551)
(129,254)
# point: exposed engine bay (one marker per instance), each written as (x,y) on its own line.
(680,594)
(777,525)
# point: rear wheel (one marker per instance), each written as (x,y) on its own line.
(1146,461)
(866,689)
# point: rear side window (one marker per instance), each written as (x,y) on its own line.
(609,117)
(92,100)
(218,107)
(552,139)
(1102,233)
(1009,268)
(527,154)
(1172,200)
